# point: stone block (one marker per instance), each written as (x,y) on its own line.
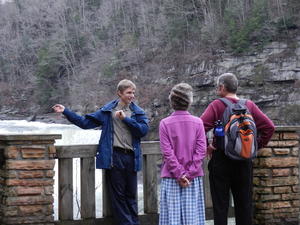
(279,181)
(283,215)
(296,188)
(290,136)
(276,136)
(285,189)
(33,147)
(33,153)
(283,143)
(281,151)
(28,210)
(30,220)
(296,203)
(295,151)
(295,171)
(29,190)
(261,172)
(291,196)
(280,210)
(11,152)
(52,149)
(290,210)
(49,210)
(256,163)
(28,200)
(29,182)
(10,174)
(262,190)
(256,181)
(264,216)
(30,164)
(255,197)
(49,190)
(279,162)
(281,172)
(9,211)
(265,152)
(50,173)
(270,197)
(275,205)
(31,174)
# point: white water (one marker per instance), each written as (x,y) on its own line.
(71,135)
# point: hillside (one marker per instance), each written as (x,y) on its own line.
(75,52)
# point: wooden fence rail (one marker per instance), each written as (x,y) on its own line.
(27,181)
(86,153)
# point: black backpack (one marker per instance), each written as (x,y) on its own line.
(240,133)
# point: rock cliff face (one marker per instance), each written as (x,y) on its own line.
(270,78)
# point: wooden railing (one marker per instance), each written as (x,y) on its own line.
(86,153)
(27,181)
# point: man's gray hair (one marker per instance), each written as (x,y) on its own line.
(229,81)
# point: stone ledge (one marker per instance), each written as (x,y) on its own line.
(287,128)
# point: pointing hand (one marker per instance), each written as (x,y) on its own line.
(58,108)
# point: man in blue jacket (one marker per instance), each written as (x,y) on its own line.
(123,124)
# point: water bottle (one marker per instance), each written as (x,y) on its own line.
(219,135)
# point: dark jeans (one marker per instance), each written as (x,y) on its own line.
(122,184)
(225,175)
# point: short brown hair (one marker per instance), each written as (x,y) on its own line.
(229,81)
(124,84)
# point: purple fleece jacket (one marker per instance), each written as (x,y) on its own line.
(183,145)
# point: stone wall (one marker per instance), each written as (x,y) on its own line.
(26,177)
(276,180)
(27,170)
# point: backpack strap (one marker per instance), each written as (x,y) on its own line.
(226,101)
(243,101)
(229,103)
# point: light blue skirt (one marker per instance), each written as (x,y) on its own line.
(181,206)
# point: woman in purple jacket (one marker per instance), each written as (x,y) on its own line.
(183,144)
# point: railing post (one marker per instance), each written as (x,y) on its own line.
(87,184)
(150,176)
(65,189)
(276,180)
(26,179)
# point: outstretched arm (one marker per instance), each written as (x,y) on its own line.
(84,122)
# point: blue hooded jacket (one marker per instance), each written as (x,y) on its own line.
(137,124)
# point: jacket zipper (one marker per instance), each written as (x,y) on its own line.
(112,140)
(134,148)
